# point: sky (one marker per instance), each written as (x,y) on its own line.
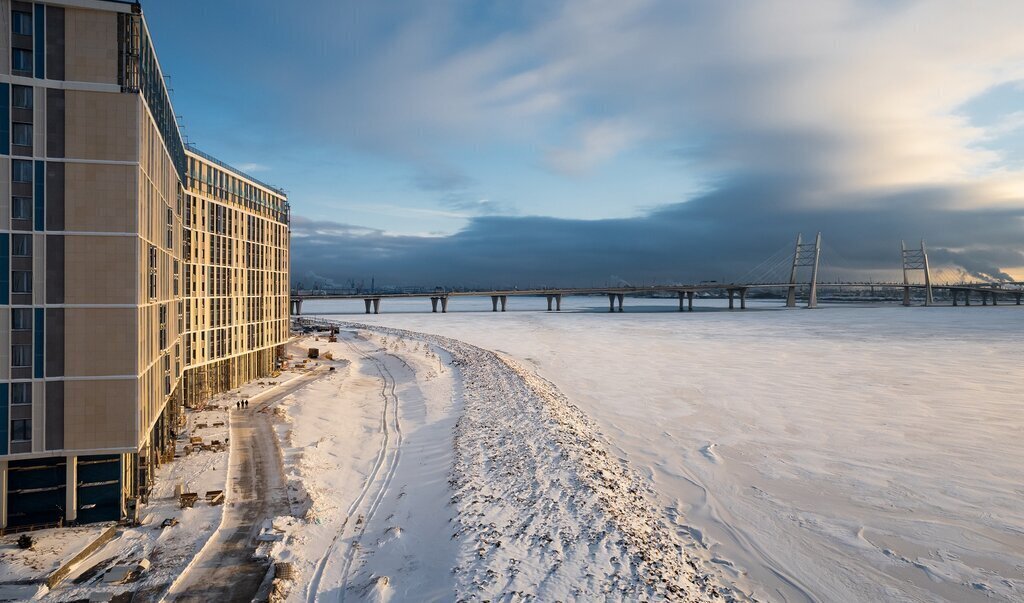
(579,142)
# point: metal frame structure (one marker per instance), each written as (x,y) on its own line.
(805,254)
(916,259)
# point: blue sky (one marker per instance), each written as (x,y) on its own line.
(617,139)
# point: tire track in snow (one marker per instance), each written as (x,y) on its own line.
(313,588)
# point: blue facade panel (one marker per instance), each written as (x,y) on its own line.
(5,416)
(5,268)
(5,119)
(39,40)
(39,181)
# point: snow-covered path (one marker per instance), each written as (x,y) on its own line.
(368,452)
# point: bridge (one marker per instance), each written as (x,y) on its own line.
(804,255)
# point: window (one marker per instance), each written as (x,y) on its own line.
(21,281)
(21,245)
(163,325)
(21,134)
(21,355)
(21,393)
(152,272)
(21,23)
(21,60)
(21,170)
(21,97)
(21,208)
(21,319)
(170,229)
(21,430)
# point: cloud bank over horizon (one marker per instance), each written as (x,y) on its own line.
(582,141)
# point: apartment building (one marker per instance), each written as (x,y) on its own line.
(135,273)
(236,279)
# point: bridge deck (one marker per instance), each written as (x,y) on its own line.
(701,287)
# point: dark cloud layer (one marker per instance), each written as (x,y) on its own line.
(720,236)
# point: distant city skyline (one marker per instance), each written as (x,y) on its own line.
(579,142)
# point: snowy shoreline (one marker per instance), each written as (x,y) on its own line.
(539,508)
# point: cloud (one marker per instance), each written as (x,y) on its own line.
(874,86)
(252,168)
(719,236)
(842,116)
(596,144)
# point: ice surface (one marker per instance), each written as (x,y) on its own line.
(847,453)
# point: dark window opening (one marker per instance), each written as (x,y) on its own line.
(21,281)
(21,59)
(21,134)
(21,97)
(21,208)
(21,23)
(21,355)
(21,319)
(21,430)
(21,170)
(21,245)
(21,393)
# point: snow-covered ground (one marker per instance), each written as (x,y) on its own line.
(426,469)
(843,454)
(169,550)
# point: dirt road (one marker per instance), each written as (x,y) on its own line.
(225,570)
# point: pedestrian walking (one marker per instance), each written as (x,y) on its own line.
(238,404)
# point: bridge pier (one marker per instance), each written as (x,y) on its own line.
(689,301)
(296,307)
(984,298)
(743,299)
(444,304)
(967,297)
(494,303)
(433,304)
(682,296)
(557,298)
(906,296)
(954,294)
(620,296)
(368,302)
(504,300)
(1018,298)
(994,297)
(731,294)
(612,297)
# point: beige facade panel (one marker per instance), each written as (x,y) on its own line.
(100,269)
(5,39)
(90,39)
(99,414)
(38,416)
(100,342)
(101,125)
(100,198)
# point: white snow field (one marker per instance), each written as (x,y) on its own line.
(524,504)
(840,454)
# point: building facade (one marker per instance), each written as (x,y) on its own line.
(135,274)
(236,279)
